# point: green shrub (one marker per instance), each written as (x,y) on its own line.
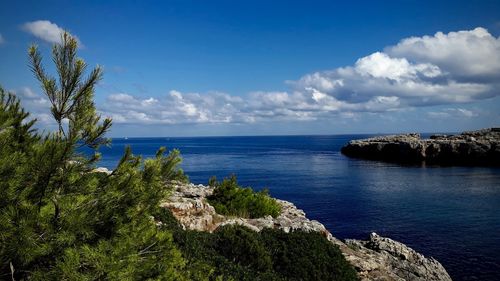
(243,246)
(231,199)
(234,252)
(226,254)
(303,255)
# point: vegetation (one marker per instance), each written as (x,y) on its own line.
(58,219)
(303,255)
(61,220)
(231,199)
(238,253)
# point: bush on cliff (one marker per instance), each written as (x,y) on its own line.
(238,253)
(229,198)
(301,255)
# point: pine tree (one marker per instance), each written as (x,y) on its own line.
(60,220)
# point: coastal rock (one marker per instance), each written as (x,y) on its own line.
(480,147)
(188,204)
(376,259)
(400,261)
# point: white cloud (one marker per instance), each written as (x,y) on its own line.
(458,67)
(468,55)
(452,113)
(380,65)
(37,105)
(47,31)
(174,108)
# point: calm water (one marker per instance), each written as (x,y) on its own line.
(450,213)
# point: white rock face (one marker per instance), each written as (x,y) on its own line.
(189,206)
(376,259)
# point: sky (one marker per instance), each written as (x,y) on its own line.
(224,68)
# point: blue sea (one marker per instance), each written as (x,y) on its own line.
(450,213)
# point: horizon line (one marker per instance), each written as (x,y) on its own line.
(283,135)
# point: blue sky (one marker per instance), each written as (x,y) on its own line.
(191,68)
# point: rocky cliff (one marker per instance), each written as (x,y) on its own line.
(378,258)
(480,147)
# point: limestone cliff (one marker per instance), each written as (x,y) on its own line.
(378,258)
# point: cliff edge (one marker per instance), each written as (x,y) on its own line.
(480,148)
(378,258)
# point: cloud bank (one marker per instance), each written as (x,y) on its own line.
(450,70)
(443,69)
(458,67)
(46,30)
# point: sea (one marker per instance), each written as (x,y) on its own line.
(449,213)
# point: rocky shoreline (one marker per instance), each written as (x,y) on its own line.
(378,258)
(477,148)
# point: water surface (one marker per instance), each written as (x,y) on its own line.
(450,213)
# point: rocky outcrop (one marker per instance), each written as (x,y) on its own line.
(189,205)
(480,147)
(384,258)
(376,259)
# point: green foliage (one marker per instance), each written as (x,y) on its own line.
(59,220)
(303,255)
(71,96)
(243,246)
(235,252)
(206,260)
(231,199)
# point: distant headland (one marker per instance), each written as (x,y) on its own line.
(472,148)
